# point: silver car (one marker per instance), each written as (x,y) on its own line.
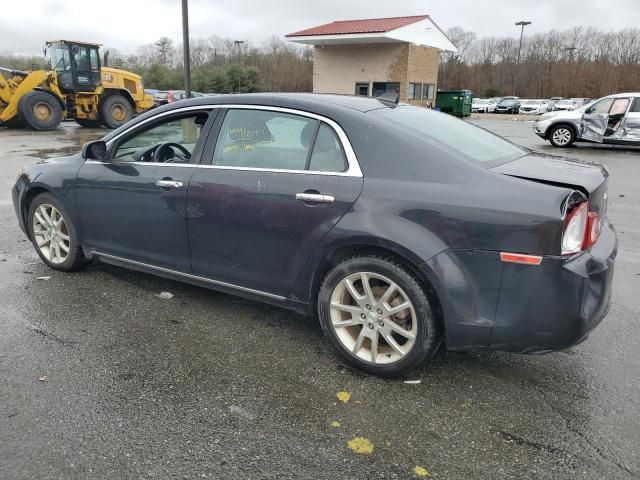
(614,119)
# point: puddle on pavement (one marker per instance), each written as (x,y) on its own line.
(72,139)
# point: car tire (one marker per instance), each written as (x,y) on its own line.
(397,342)
(561,136)
(40,111)
(115,111)
(51,231)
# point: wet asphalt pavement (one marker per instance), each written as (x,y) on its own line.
(103,379)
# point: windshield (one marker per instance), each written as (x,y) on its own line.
(60,59)
(565,102)
(480,102)
(532,102)
(449,133)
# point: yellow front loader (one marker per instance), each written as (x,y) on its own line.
(76,87)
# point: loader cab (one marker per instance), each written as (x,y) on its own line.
(77,65)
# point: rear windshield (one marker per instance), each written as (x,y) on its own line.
(457,136)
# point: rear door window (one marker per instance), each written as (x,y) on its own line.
(262,139)
(327,153)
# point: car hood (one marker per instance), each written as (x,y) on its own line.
(562,114)
(77,158)
(554,170)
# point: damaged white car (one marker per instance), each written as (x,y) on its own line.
(614,119)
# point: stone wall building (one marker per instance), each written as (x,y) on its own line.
(372,57)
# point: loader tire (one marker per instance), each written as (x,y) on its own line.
(40,111)
(115,111)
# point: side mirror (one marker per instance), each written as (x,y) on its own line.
(96,150)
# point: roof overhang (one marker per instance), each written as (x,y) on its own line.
(424,33)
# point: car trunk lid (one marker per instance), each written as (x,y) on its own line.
(589,178)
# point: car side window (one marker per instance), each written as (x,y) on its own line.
(171,141)
(327,153)
(264,139)
(635,108)
(602,106)
(619,106)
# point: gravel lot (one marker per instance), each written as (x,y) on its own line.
(104,379)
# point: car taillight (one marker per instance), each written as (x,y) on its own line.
(593,230)
(581,229)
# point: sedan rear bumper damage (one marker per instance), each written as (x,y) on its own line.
(529,309)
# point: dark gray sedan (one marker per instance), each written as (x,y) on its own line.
(400,227)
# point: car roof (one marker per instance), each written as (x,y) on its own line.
(299,101)
(628,94)
(329,105)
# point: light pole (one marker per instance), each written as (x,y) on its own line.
(185,46)
(521,24)
(238,44)
(571,50)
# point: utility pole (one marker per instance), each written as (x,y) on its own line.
(570,49)
(185,46)
(238,44)
(520,24)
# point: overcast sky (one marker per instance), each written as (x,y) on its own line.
(127,24)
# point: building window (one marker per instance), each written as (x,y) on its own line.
(380,88)
(362,89)
(429,90)
(415,91)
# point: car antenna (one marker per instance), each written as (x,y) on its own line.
(391,99)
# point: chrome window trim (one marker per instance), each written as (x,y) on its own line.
(354,166)
(145,164)
(188,275)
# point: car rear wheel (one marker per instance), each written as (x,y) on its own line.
(378,316)
(562,136)
(53,235)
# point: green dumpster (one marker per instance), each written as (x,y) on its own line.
(454,102)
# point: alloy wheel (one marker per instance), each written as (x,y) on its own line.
(562,136)
(51,234)
(373,318)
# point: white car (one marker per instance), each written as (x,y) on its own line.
(614,119)
(566,105)
(483,105)
(534,107)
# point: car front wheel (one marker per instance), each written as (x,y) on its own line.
(53,235)
(561,136)
(378,316)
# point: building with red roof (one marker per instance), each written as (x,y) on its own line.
(376,56)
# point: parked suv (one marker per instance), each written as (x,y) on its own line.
(508,105)
(614,119)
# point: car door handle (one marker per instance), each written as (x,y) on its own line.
(168,184)
(314,198)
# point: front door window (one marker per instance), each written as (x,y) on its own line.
(171,141)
